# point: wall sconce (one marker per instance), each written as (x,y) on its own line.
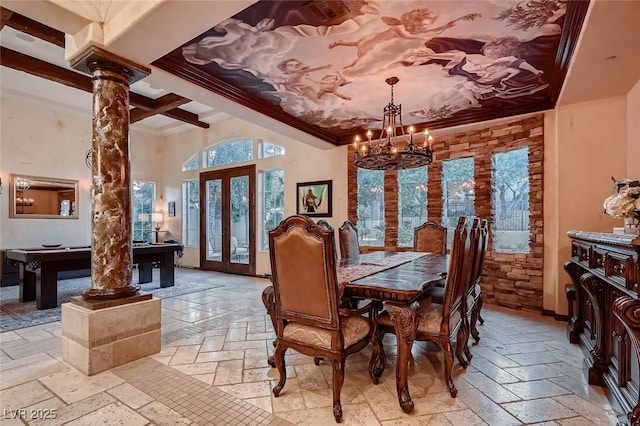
(0,186)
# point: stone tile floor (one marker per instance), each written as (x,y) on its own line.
(212,370)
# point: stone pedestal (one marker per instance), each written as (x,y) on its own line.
(95,340)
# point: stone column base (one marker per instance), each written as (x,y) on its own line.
(95,340)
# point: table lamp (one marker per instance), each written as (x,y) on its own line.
(157,218)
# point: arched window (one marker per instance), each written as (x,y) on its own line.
(236,151)
(192,163)
(268,149)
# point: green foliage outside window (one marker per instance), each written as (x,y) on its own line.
(273,202)
(510,200)
(230,152)
(143,195)
(371,207)
(412,203)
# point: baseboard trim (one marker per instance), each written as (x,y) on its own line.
(557,317)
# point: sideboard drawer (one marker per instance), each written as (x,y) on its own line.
(618,268)
(598,260)
(584,254)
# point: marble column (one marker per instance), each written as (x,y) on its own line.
(111,243)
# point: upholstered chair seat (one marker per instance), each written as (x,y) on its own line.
(354,329)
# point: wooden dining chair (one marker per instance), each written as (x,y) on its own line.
(473,299)
(349,244)
(443,323)
(475,290)
(308,315)
(326,225)
(430,237)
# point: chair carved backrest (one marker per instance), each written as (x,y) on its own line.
(307,315)
(303,270)
(323,223)
(475,236)
(430,237)
(483,242)
(458,276)
(349,245)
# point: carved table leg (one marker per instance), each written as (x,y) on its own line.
(269,303)
(594,289)
(575,327)
(405,321)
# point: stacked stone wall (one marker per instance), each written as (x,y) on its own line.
(508,279)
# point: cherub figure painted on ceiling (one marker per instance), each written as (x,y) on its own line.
(296,79)
(498,71)
(415,24)
(296,74)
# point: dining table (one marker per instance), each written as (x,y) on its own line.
(397,280)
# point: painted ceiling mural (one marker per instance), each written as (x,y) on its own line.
(322,65)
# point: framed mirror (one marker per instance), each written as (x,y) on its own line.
(39,197)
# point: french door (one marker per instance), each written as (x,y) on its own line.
(227,220)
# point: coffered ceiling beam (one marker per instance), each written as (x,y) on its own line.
(163,104)
(25,63)
(5,15)
(33,28)
(21,62)
(186,117)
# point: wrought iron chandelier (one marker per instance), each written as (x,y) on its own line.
(393,150)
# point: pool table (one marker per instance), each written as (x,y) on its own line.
(39,268)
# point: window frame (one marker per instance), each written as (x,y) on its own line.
(264,234)
(185,214)
(135,214)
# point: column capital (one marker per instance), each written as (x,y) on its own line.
(95,58)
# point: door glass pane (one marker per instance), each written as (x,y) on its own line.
(214,220)
(239,219)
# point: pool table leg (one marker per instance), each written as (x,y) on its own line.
(27,284)
(145,272)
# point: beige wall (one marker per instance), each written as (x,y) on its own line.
(585,144)
(301,163)
(52,141)
(633,132)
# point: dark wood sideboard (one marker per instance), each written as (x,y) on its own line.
(604,314)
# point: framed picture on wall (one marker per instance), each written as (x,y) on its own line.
(314,198)
(171,208)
